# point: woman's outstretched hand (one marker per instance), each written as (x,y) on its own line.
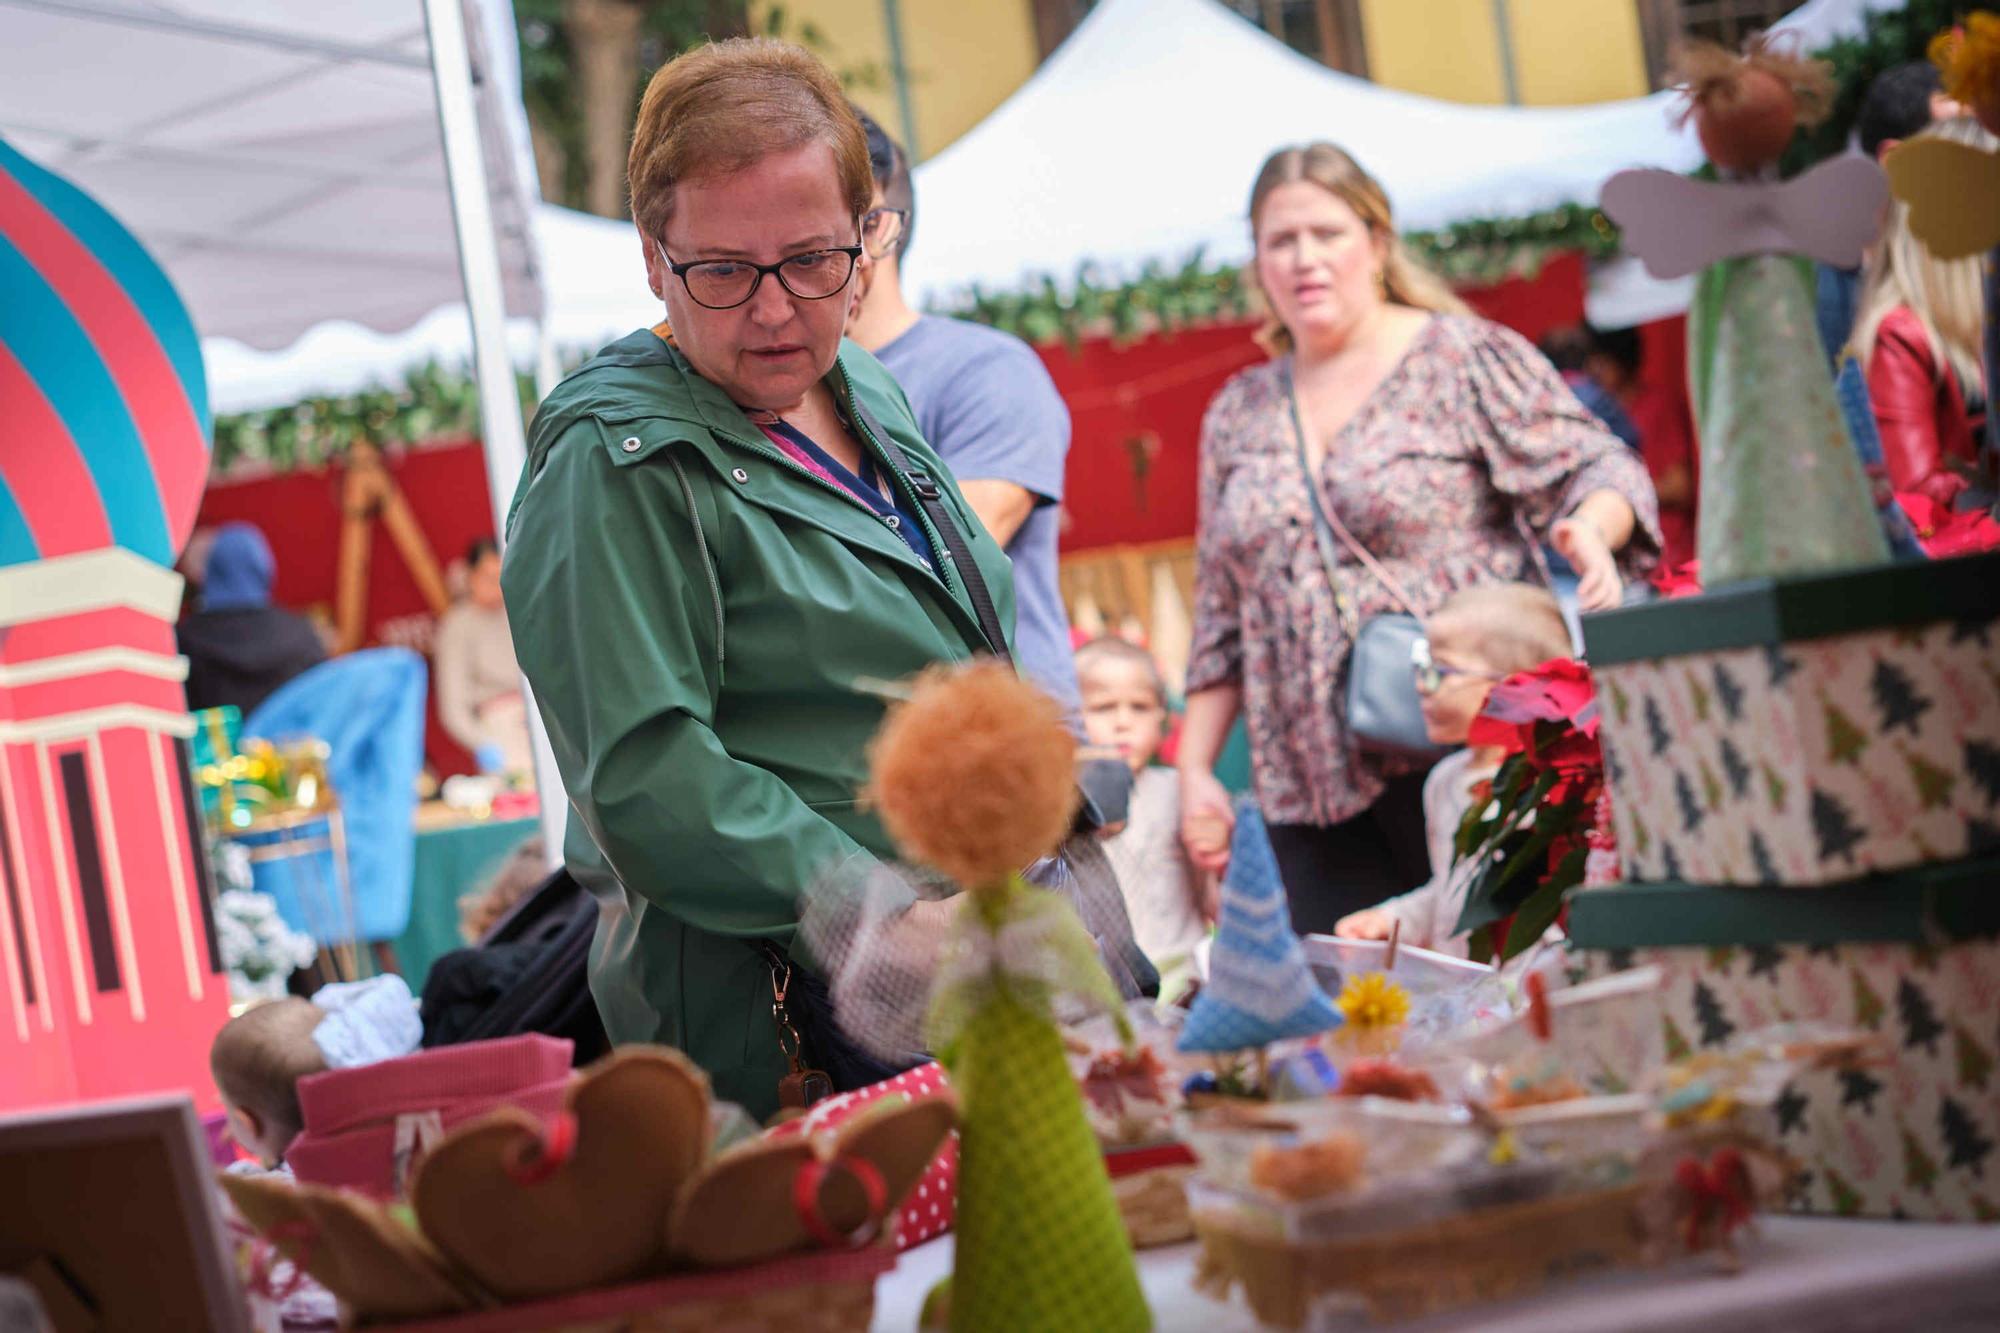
(1206,820)
(1580,542)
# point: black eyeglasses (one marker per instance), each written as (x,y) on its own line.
(724,284)
(1431,675)
(882,230)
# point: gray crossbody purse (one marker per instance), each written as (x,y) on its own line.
(1384,712)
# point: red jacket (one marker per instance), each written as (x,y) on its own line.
(1920,412)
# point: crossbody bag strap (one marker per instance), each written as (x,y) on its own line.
(1325,522)
(958,551)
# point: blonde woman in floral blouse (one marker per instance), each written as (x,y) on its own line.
(1442,442)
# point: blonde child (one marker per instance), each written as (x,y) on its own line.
(1125,709)
(1479,637)
(258,1059)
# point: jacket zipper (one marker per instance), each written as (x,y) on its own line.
(701,546)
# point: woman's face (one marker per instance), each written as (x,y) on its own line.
(768,351)
(1317,261)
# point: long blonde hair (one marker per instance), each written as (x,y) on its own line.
(1944,294)
(1404,280)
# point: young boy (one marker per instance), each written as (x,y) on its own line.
(1479,637)
(1125,709)
(258,1059)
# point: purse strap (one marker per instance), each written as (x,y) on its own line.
(1325,523)
(957,550)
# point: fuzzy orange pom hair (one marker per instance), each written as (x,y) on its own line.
(974,774)
(1745,108)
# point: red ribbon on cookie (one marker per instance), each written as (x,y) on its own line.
(805,1198)
(551,1151)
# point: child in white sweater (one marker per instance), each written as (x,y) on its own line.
(1125,709)
(1479,637)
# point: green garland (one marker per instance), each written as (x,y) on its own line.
(434,402)
(1474,253)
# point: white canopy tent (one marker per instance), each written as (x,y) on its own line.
(281,160)
(289,162)
(590,268)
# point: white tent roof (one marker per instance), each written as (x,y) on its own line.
(591,270)
(281,160)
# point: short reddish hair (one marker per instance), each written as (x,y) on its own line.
(721,107)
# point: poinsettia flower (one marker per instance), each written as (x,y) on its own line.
(1943,531)
(1556,691)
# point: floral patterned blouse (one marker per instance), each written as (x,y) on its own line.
(1471,436)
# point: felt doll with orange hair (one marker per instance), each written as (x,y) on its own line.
(974,776)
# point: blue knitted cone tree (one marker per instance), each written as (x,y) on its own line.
(1260,987)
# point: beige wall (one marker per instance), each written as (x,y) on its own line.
(1565,51)
(1440,48)
(964,57)
(1572,51)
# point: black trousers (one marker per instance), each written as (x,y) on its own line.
(1333,869)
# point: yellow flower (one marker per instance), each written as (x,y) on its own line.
(1371,1000)
(1969,58)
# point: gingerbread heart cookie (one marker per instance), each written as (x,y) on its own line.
(530,1212)
(772,1197)
(354,1247)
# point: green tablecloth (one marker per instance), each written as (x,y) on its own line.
(450,862)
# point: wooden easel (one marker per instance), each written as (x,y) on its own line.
(369,492)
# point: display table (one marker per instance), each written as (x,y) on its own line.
(1803,1273)
(453,857)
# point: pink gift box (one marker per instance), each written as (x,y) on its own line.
(365,1127)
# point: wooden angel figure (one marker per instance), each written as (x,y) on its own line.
(1782,486)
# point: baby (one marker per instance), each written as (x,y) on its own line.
(260,1055)
(1125,709)
(258,1059)
(1479,637)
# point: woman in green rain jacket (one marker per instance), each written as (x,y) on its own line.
(712,554)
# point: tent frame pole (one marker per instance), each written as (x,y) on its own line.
(502,434)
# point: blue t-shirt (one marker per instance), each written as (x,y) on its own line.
(986,403)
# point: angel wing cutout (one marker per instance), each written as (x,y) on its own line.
(1953,193)
(1679,226)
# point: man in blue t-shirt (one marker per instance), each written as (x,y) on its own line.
(987,405)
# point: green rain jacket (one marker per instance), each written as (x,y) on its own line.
(700,618)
